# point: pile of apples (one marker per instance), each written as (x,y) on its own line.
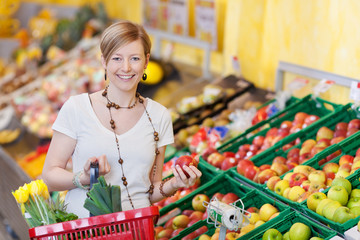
(325,137)
(257,218)
(340,204)
(305,180)
(297,231)
(188,217)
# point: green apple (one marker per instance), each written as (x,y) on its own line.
(342,214)
(286,236)
(321,205)
(355,211)
(338,181)
(358,226)
(330,209)
(316,238)
(338,193)
(353,202)
(299,231)
(314,199)
(272,234)
(355,193)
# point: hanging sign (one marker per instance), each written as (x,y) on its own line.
(322,86)
(205,22)
(150,13)
(163,15)
(178,17)
(355,91)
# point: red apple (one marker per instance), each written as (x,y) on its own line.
(250,172)
(296,179)
(346,159)
(206,153)
(218,195)
(300,117)
(242,164)
(272,132)
(263,176)
(279,159)
(354,123)
(310,119)
(279,168)
(258,141)
(176,232)
(216,159)
(272,181)
(252,210)
(351,131)
(186,160)
(295,152)
(187,212)
(244,147)
(340,133)
(201,230)
(357,152)
(240,154)
(331,167)
(264,166)
(291,165)
(228,162)
(287,147)
(229,198)
(341,126)
(228,154)
(166,233)
(286,124)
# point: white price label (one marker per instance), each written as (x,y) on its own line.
(236,64)
(297,83)
(355,91)
(323,86)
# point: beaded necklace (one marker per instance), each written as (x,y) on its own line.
(110,105)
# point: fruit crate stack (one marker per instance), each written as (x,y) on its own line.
(265,212)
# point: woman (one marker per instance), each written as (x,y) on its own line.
(124,132)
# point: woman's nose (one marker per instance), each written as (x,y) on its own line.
(126,66)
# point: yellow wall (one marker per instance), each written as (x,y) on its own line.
(321,34)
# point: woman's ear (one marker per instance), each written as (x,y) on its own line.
(103,62)
(147,60)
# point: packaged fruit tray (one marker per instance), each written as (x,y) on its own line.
(337,226)
(253,201)
(284,225)
(197,115)
(294,105)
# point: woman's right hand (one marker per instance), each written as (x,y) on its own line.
(104,167)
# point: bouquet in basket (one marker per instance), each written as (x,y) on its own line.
(38,208)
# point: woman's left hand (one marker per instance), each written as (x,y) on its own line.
(181,179)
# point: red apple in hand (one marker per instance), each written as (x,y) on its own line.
(186,160)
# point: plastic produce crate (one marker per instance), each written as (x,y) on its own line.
(307,104)
(341,228)
(132,224)
(254,199)
(344,114)
(284,225)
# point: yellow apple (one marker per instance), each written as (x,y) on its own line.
(295,193)
(247,228)
(314,199)
(258,223)
(280,186)
(321,205)
(330,208)
(254,218)
(266,211)
(286,193)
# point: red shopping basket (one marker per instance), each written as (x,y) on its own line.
(135,224)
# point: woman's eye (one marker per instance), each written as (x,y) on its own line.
(116,59)
(136,58)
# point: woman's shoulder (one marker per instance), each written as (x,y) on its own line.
(154,105)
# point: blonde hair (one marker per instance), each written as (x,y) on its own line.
(121,33)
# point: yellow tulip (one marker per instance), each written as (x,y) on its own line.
(37,187)
(45,193)
(22,194)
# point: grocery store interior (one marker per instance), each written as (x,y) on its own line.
(264,95)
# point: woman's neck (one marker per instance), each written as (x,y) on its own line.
(122,98)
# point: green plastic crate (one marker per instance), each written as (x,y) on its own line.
(341,228)
(307,104)
(346,113)
(210,185)
(254,199)
(284,225)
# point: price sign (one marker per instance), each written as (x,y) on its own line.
(355,91)
(178,17)
(297,84)
(323,86)
(205,19)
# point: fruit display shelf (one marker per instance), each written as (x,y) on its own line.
(240,87)
(339,227)
(284,225)
(345,114)
(253,199)
(308,104)
(210,184)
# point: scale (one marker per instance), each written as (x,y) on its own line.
(226,216)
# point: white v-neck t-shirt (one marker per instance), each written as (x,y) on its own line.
(78,120)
